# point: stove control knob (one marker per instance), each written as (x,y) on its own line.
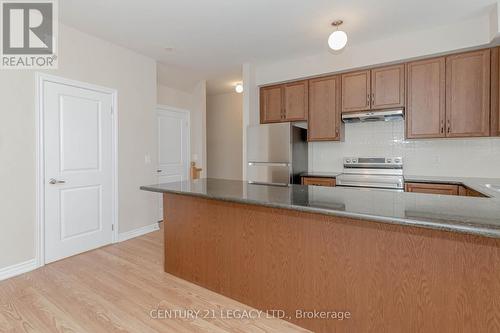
(389,160)
(397,160)
(348,161)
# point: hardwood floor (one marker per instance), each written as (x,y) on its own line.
(114,289)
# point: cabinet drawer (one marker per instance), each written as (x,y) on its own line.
(316,181)
(430,188)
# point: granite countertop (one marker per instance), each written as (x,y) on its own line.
(471,215)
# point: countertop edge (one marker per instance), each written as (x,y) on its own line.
(477,230)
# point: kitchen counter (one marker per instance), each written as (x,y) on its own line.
(318,248)
(478,216)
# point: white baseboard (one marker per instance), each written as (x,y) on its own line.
(17,269)
(138,232)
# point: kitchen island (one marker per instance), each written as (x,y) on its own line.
(396,262)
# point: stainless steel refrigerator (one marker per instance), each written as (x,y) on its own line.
(277,153)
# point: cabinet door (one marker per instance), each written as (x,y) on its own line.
(468,94)
(425,112)
(495,92)
(271,104)
(356,91)
(296,100)
(324,109)
(388,87)
(429,188)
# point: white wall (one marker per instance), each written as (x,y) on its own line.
(224,136)
(88,59)
(439,157)
(194,101)
(460,157)
(175,98)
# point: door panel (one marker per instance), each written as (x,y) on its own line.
(356,91)
(78,158)
(425,112)
(388,87)
(296,101)
(468,94)
(271,104)
(173,148)
(85,215)
(80,137)
(324,119)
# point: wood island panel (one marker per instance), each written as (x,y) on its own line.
(391,278)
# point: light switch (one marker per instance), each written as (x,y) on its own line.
(147,159)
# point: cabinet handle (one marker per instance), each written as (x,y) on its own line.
(449,125)
(373,99)
(442,126)
(337,132)
(368,99)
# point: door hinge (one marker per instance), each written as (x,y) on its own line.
(111,110)
(112,227)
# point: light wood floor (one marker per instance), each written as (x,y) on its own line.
(114,289)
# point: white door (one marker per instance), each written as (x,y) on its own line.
(78,169)
(173,154)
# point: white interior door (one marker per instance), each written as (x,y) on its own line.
(173,154)
(78,169)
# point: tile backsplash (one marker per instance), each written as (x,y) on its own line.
(472,157)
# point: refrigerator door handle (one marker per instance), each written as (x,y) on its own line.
(269,164)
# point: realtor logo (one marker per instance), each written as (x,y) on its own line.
(29,34)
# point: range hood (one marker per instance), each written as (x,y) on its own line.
(361,117)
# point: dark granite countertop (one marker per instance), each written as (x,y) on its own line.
(471,215)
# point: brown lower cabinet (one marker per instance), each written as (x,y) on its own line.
(443,189)
(318,181)
(430,188)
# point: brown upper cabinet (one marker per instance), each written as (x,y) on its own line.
(388,87)
(468,94)
(425,105)
(271,104)
(449,96)
(356,92)
(284,102)
(324,109)
(379,88)
(495,92)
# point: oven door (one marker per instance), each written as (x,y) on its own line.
(374,181)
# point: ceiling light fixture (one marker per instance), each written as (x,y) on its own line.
(338,38)
(238,88)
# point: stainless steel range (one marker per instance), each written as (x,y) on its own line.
(373,172)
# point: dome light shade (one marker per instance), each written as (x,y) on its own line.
(337,40)
(238,88)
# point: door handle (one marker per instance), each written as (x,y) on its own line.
(159,171)
(54,181)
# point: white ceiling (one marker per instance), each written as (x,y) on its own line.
(211,39)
